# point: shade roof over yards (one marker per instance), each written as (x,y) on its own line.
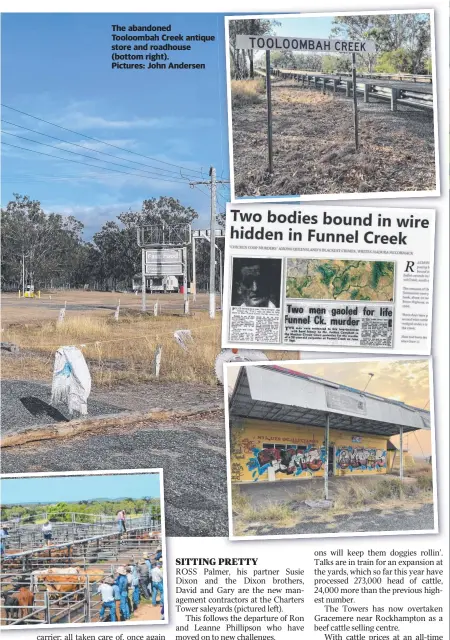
(273,393)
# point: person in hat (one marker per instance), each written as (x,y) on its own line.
(144,576)
(136,594)
(47,532)
(122,583)
(105,589)
(116,594)
(157,584)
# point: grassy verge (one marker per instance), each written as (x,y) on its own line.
(244,92)
(123,351)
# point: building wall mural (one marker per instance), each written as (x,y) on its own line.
(349,459)
(297,452)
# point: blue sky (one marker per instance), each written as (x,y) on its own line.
(74,488)
(58,67)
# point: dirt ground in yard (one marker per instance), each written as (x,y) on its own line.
(313,146)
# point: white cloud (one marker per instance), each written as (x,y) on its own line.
(83,121)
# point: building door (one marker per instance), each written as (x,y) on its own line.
(331,461)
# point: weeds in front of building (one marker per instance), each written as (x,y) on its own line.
(349,497)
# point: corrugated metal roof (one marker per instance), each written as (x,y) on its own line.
(272,393)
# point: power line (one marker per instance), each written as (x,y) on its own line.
(136,175)
(109,144)
(111,155)
(83,155)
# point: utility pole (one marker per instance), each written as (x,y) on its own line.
(212,184)
(194,273)
(212,258)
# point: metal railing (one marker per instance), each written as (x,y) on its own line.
(417,96)
(101,554)
(30,536)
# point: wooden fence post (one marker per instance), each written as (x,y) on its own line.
(348,84)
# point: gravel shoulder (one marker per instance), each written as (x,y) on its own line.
(26,404)
(191,453)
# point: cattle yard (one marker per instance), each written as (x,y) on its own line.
(58,584)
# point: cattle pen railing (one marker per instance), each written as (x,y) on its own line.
(81,604)
(29,536)
(415,95)
(101,554)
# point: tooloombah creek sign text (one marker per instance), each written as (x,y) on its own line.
(314,45)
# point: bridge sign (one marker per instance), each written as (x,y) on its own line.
(305,45)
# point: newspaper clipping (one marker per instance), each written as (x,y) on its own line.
(335,278)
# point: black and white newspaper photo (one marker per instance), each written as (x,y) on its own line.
(224,290)
(344,278)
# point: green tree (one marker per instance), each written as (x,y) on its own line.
(239,57)
(26,251)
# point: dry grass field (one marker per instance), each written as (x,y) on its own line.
(117,352)
(313,143)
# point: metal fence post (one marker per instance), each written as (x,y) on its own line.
(394,98)
(355,101)
(269,111)
(366,92)
(88,601)
(47,608)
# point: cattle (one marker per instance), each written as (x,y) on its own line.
(10,604)
(26,599)
(61,581)
(148,535)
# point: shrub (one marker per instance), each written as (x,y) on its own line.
(244,92)
(425,482)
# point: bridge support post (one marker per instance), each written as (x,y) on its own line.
(335,85)
(315,82)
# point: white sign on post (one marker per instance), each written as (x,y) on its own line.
(311,45)
(163,262)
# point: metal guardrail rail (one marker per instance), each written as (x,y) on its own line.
(417,96)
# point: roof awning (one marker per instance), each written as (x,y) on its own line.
(276,394)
